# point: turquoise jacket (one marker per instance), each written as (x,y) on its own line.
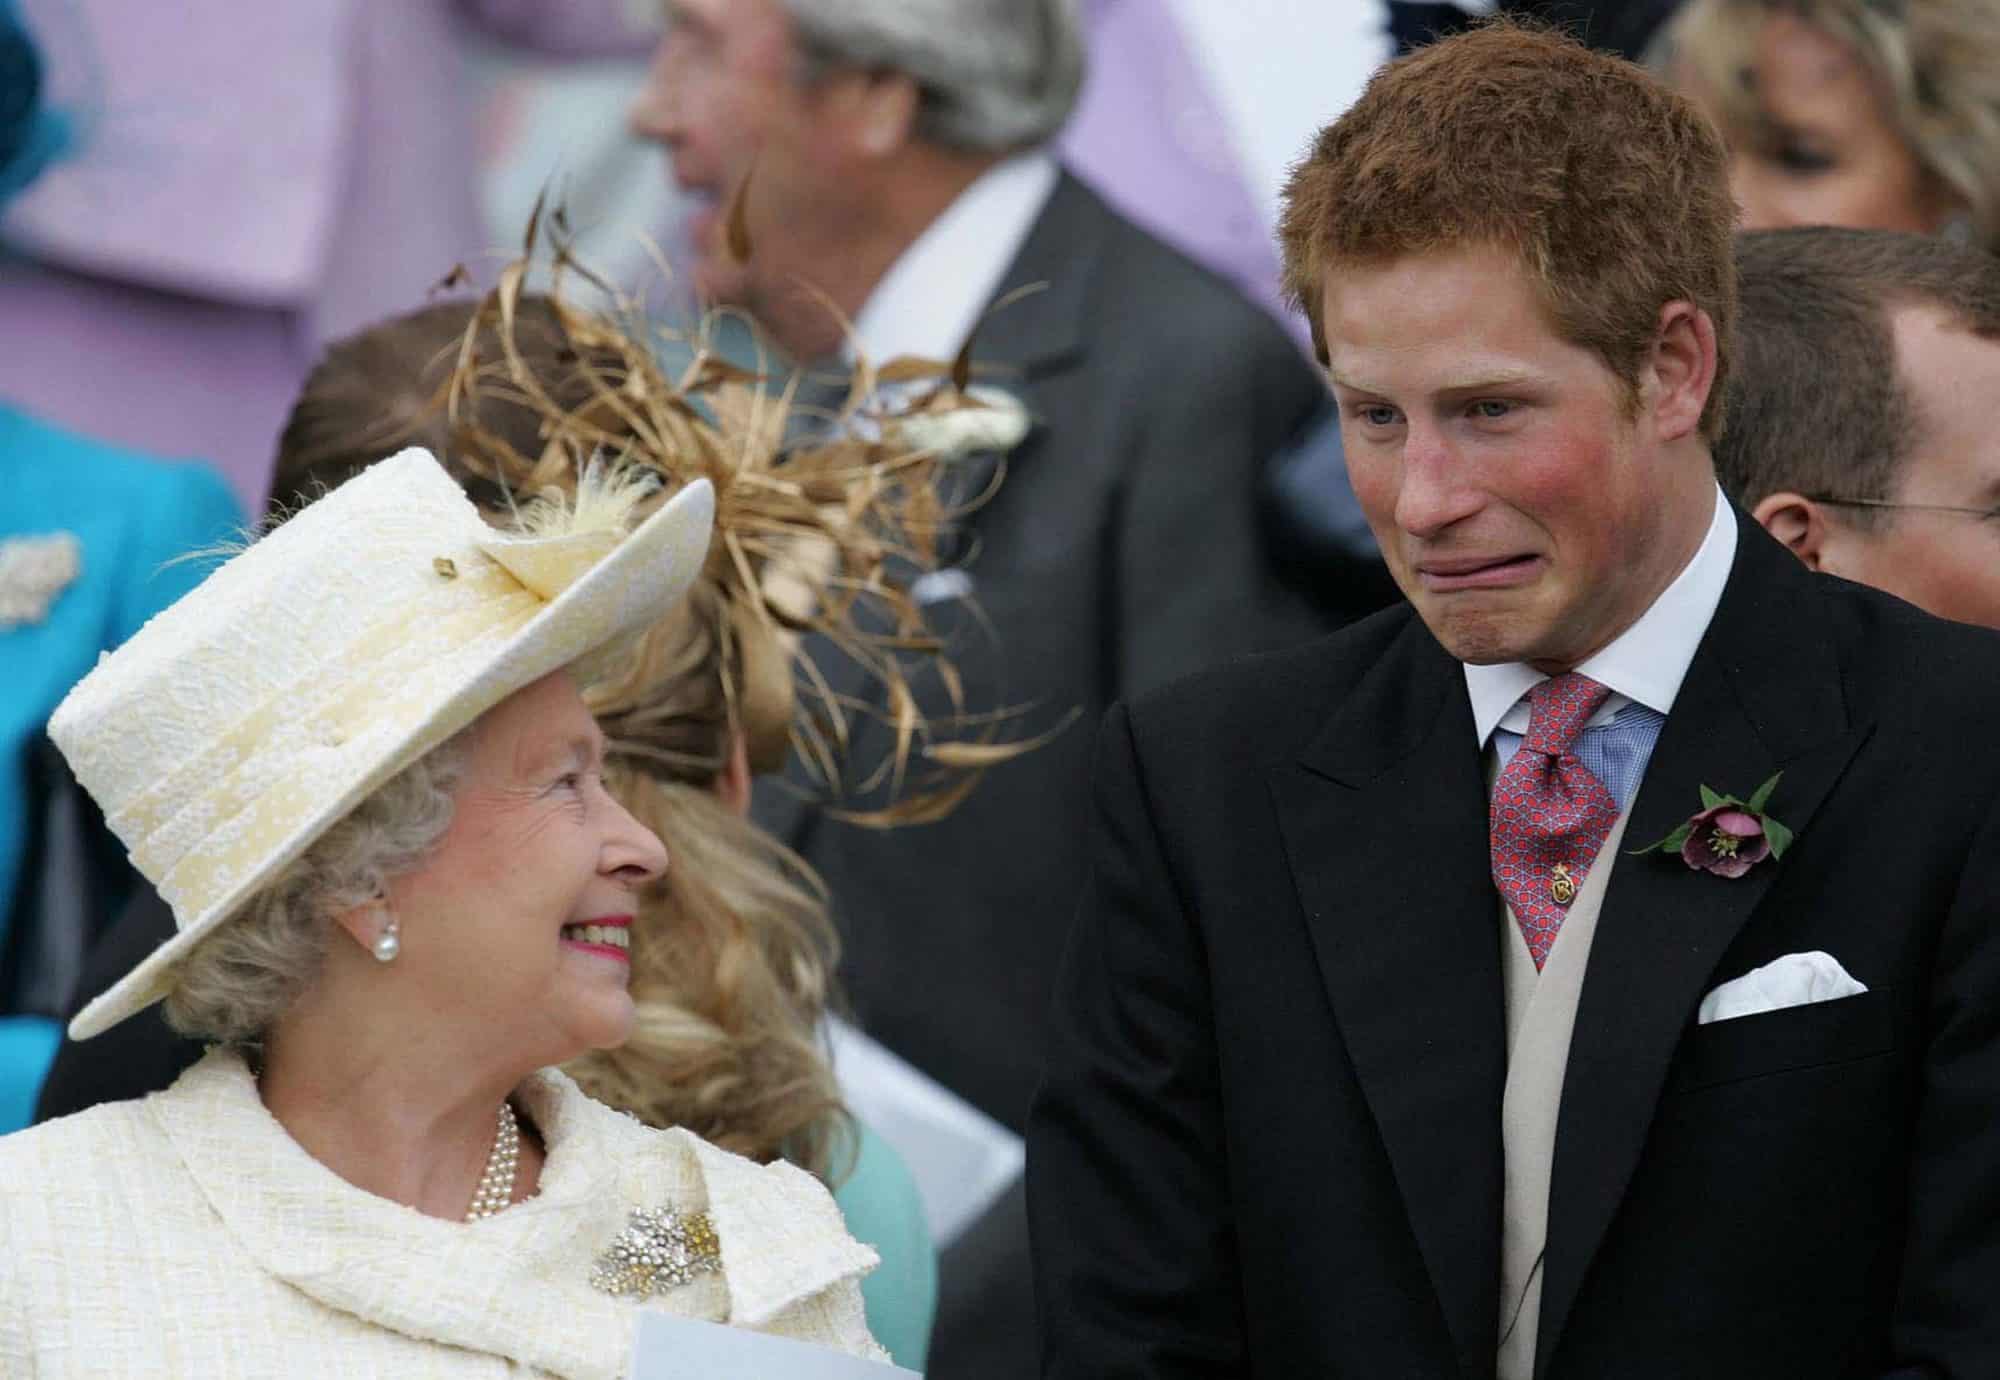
(130,516)
(879,1199)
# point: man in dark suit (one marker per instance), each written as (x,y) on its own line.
(892,156)
(1381,1048)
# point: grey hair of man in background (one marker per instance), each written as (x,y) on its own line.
(996,75)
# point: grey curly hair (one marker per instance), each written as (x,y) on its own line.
(237,983)
(996,75)
(1937,60)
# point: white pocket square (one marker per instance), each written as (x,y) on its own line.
(1794,980)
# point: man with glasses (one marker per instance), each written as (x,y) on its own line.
(1860,417)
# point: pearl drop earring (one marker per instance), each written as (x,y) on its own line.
(387,945)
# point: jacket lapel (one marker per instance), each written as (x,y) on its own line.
(517,1284)
(1762,694)
(1384,822)
(1036,328)
(1038,322)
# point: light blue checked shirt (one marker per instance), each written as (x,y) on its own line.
(1644,667)
(1615,751)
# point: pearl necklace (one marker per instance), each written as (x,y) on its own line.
(496,1186)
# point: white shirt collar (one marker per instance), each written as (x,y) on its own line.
(934,294)
(1645,663)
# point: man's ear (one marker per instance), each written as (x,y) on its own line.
(879,110)
(1682,369)
(1798,522)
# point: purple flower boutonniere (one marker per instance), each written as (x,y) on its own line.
(1729,836)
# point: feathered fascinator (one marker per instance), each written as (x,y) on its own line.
(818,541)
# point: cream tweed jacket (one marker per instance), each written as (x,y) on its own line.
(186,1234)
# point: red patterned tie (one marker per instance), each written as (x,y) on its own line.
(1550,815)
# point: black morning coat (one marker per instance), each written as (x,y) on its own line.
(1269,1142)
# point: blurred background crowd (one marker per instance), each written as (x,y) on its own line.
(207,201)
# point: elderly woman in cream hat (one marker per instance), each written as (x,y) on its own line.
(356,765)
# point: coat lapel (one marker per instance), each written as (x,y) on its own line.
(1384,822)
(1036,328)
(516,1285)
(1038,323)
(1762,694)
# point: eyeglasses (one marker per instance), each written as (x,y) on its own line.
(1887,504)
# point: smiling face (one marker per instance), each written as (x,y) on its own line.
(1823,147)
(515,925)
(725,92)
(1521,506)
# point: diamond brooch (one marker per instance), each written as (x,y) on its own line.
(659,1250)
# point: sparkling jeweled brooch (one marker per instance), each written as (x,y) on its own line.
(658,1250)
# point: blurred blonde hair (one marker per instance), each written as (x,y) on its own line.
(1937,60)
(734,950)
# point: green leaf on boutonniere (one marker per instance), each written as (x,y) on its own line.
(1670,844)
(1780,837)
(1760,798)
(1710,800)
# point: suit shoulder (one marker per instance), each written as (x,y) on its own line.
(1272,702)
(1156,284)
(1897,656)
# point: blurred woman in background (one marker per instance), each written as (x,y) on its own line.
(1860,113)
(89,536)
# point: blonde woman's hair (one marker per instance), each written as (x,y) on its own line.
(734,950)
(1937,60)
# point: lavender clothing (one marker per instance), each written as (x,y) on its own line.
(257,179)
(253,180)
(1150,136)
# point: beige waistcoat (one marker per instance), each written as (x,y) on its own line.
(1541,1009)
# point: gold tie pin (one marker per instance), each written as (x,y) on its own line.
(1562,886)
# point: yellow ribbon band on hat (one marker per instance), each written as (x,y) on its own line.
(299,706)
(239,803)
(254,816)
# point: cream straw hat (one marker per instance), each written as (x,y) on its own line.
(245,721)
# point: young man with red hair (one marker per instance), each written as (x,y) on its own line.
(1386,1042)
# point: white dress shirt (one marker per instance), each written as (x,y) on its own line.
(1646,663)
(935,293)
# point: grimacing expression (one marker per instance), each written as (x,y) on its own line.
(724,95)
(1945,562)
(1522,508)
(1825,149)
(536,847)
